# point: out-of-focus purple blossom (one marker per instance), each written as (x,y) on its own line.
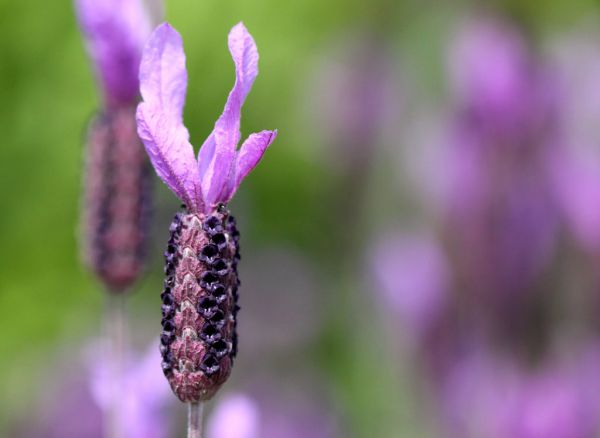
(220,168)
(269,415)
(75,415)
(357,97)
(235,416)
(486,394)
(412,280)
(143,393)
(501,217)
(552,406)
(577,169)
(115,32)
(478,396)
(577,187)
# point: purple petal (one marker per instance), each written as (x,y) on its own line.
(217,156)
(247,158)
(163,82)
(115,32)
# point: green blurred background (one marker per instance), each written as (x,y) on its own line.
(51,304)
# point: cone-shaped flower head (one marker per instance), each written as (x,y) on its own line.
(199,339)
(115,32)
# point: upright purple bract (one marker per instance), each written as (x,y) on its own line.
(199,341)
(220,168)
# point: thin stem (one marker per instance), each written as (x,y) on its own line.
(195,420)
(115,327)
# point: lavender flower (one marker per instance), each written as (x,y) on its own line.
(198,341)
(117,185)
(501,219)
(236,416)
(272,414)
(143,396)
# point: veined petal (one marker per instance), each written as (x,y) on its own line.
(115,33)
(248,157)
(215,161)
(171,153)
(163,77)
(163,82)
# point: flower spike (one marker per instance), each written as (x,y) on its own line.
(200,295)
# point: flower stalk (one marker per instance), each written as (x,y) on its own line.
(195,411)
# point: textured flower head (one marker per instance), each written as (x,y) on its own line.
(220,167)
(115,32)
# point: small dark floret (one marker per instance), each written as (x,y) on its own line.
(208,253)
(210,364)
(210,333)
(167,337)
(212,225)
(220,240)
(168,324)
(170,281)
(166,367)
(168,311)
(218,292)
(167,298)
(218,318)
(207,280)
(207,307)
(170,268)
(220,267)
(219,348)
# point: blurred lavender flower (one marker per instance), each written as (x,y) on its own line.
(502,220)
(489,395)
(143,394)
(77,415)
(117,179)
(269,416)
(357,96)
(199,337)
(412,279)
(577,169)
(235,416)
(115,32)
(79,412)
